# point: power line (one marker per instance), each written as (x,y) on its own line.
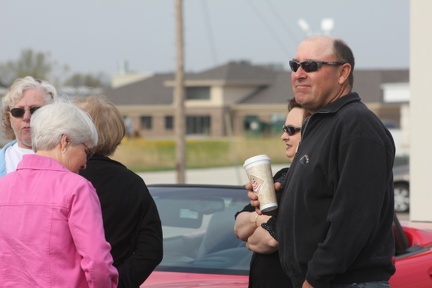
(268,27)
(210,31)
(282,23)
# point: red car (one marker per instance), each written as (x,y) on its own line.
(413,255)
(201,250)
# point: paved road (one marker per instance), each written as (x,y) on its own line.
(234,175)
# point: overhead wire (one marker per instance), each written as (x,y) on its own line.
(207,20)
(282,23)
(272,32)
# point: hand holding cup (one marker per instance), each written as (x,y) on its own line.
(258,169)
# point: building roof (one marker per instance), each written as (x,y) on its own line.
(279,91)
(236,73)
(368,82)
(273,86)
(150,91)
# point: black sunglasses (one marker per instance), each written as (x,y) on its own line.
(19,112)
(311,65)
(89,152)
(290,130)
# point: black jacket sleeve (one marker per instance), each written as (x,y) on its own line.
(148,250)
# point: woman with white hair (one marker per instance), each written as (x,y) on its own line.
(53,235)
(24,97)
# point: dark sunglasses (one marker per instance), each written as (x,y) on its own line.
(310,65)
(290,130)
(88,151)
(19,112)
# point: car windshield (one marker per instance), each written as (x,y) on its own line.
(198,229)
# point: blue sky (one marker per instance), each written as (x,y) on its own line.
(92,36)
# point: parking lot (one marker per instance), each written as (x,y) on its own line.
(234,175)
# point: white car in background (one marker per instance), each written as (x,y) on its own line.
(401,188)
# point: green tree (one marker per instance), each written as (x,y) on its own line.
(36,64)
(88,80)
(41,66)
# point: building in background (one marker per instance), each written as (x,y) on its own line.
(239,99)
(236,99)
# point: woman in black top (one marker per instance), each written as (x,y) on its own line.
(130,217)
(258,230)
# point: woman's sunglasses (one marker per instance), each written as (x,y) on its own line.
(310,65)
(290,130)
(19,112)
(89,152)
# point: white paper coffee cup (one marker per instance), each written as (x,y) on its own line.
(259,172)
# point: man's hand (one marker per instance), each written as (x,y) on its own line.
(254,197)
(306,285)
(278,186)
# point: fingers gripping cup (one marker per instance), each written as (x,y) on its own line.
(258,169)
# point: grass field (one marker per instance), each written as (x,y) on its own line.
(142,155)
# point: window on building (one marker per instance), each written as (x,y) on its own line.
(146,122)
(197,93)
(169,122)
(277,120)
(251,122)
(198,125)
(128,125)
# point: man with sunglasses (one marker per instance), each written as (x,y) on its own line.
(24,97)
(335,215)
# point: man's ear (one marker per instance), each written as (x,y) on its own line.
(345,71)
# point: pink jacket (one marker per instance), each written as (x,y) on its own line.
(51,231)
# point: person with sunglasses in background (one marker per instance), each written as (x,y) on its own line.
(24,97)
(259,230)
(335,215)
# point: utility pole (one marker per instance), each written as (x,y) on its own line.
(179,97)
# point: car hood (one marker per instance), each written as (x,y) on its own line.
(191,280)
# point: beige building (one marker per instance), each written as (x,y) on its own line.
(234,99)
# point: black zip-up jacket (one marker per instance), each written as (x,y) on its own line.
(335,217)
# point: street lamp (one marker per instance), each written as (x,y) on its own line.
(327,25)
(304,26)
